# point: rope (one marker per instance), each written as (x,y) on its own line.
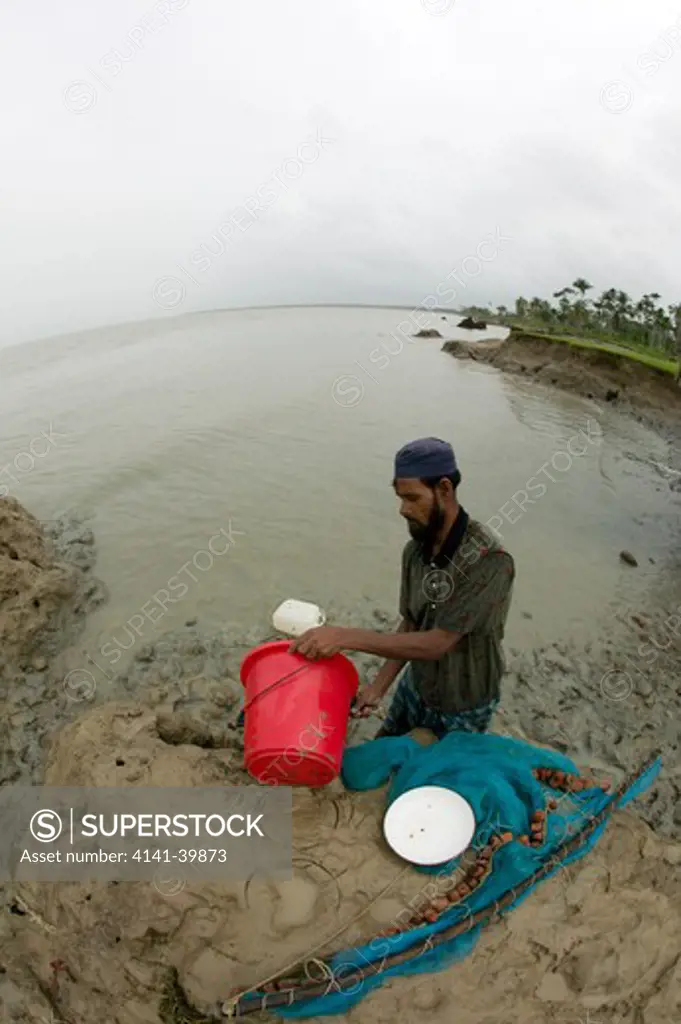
(327,974)
(482,918)
(326,970)
(310,958)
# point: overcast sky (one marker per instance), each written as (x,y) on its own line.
(377,146)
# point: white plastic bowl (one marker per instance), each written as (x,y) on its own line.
(429,825)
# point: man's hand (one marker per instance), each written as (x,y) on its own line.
(367,700)
(320,642)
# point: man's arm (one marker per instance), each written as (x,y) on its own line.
(429,645)
(324,641)
(469,606)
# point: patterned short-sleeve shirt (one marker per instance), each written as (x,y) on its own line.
(467,592)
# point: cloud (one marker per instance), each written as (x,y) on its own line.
(130,131)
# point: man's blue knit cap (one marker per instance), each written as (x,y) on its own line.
(426,457)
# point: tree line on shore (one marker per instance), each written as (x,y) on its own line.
(614,315)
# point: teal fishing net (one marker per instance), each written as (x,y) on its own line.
(494,774)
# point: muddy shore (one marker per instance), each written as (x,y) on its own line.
(604,937)
(649,396)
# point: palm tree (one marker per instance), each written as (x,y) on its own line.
(622,311)
(600,308)
(605,307)
(563,311)
(644,311)
(580,312)
(541,309)
(582,286)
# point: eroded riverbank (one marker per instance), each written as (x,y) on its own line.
(650,396)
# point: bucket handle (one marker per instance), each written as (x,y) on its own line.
(277,682)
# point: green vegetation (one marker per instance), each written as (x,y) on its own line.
(644,330)
(647,358)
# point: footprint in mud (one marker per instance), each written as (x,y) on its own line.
(296,904)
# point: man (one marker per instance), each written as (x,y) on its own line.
(455,594)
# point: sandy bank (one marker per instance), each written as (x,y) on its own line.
(605,935)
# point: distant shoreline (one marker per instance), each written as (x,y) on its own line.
(175,318)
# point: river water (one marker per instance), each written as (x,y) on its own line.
(230,460)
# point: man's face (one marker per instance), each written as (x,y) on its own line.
(422,509)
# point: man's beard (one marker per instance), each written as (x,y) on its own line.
(426,534)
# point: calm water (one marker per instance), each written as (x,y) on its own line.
(280,426)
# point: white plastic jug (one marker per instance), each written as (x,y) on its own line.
(294,617)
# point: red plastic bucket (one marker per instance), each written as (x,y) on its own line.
(296,715)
